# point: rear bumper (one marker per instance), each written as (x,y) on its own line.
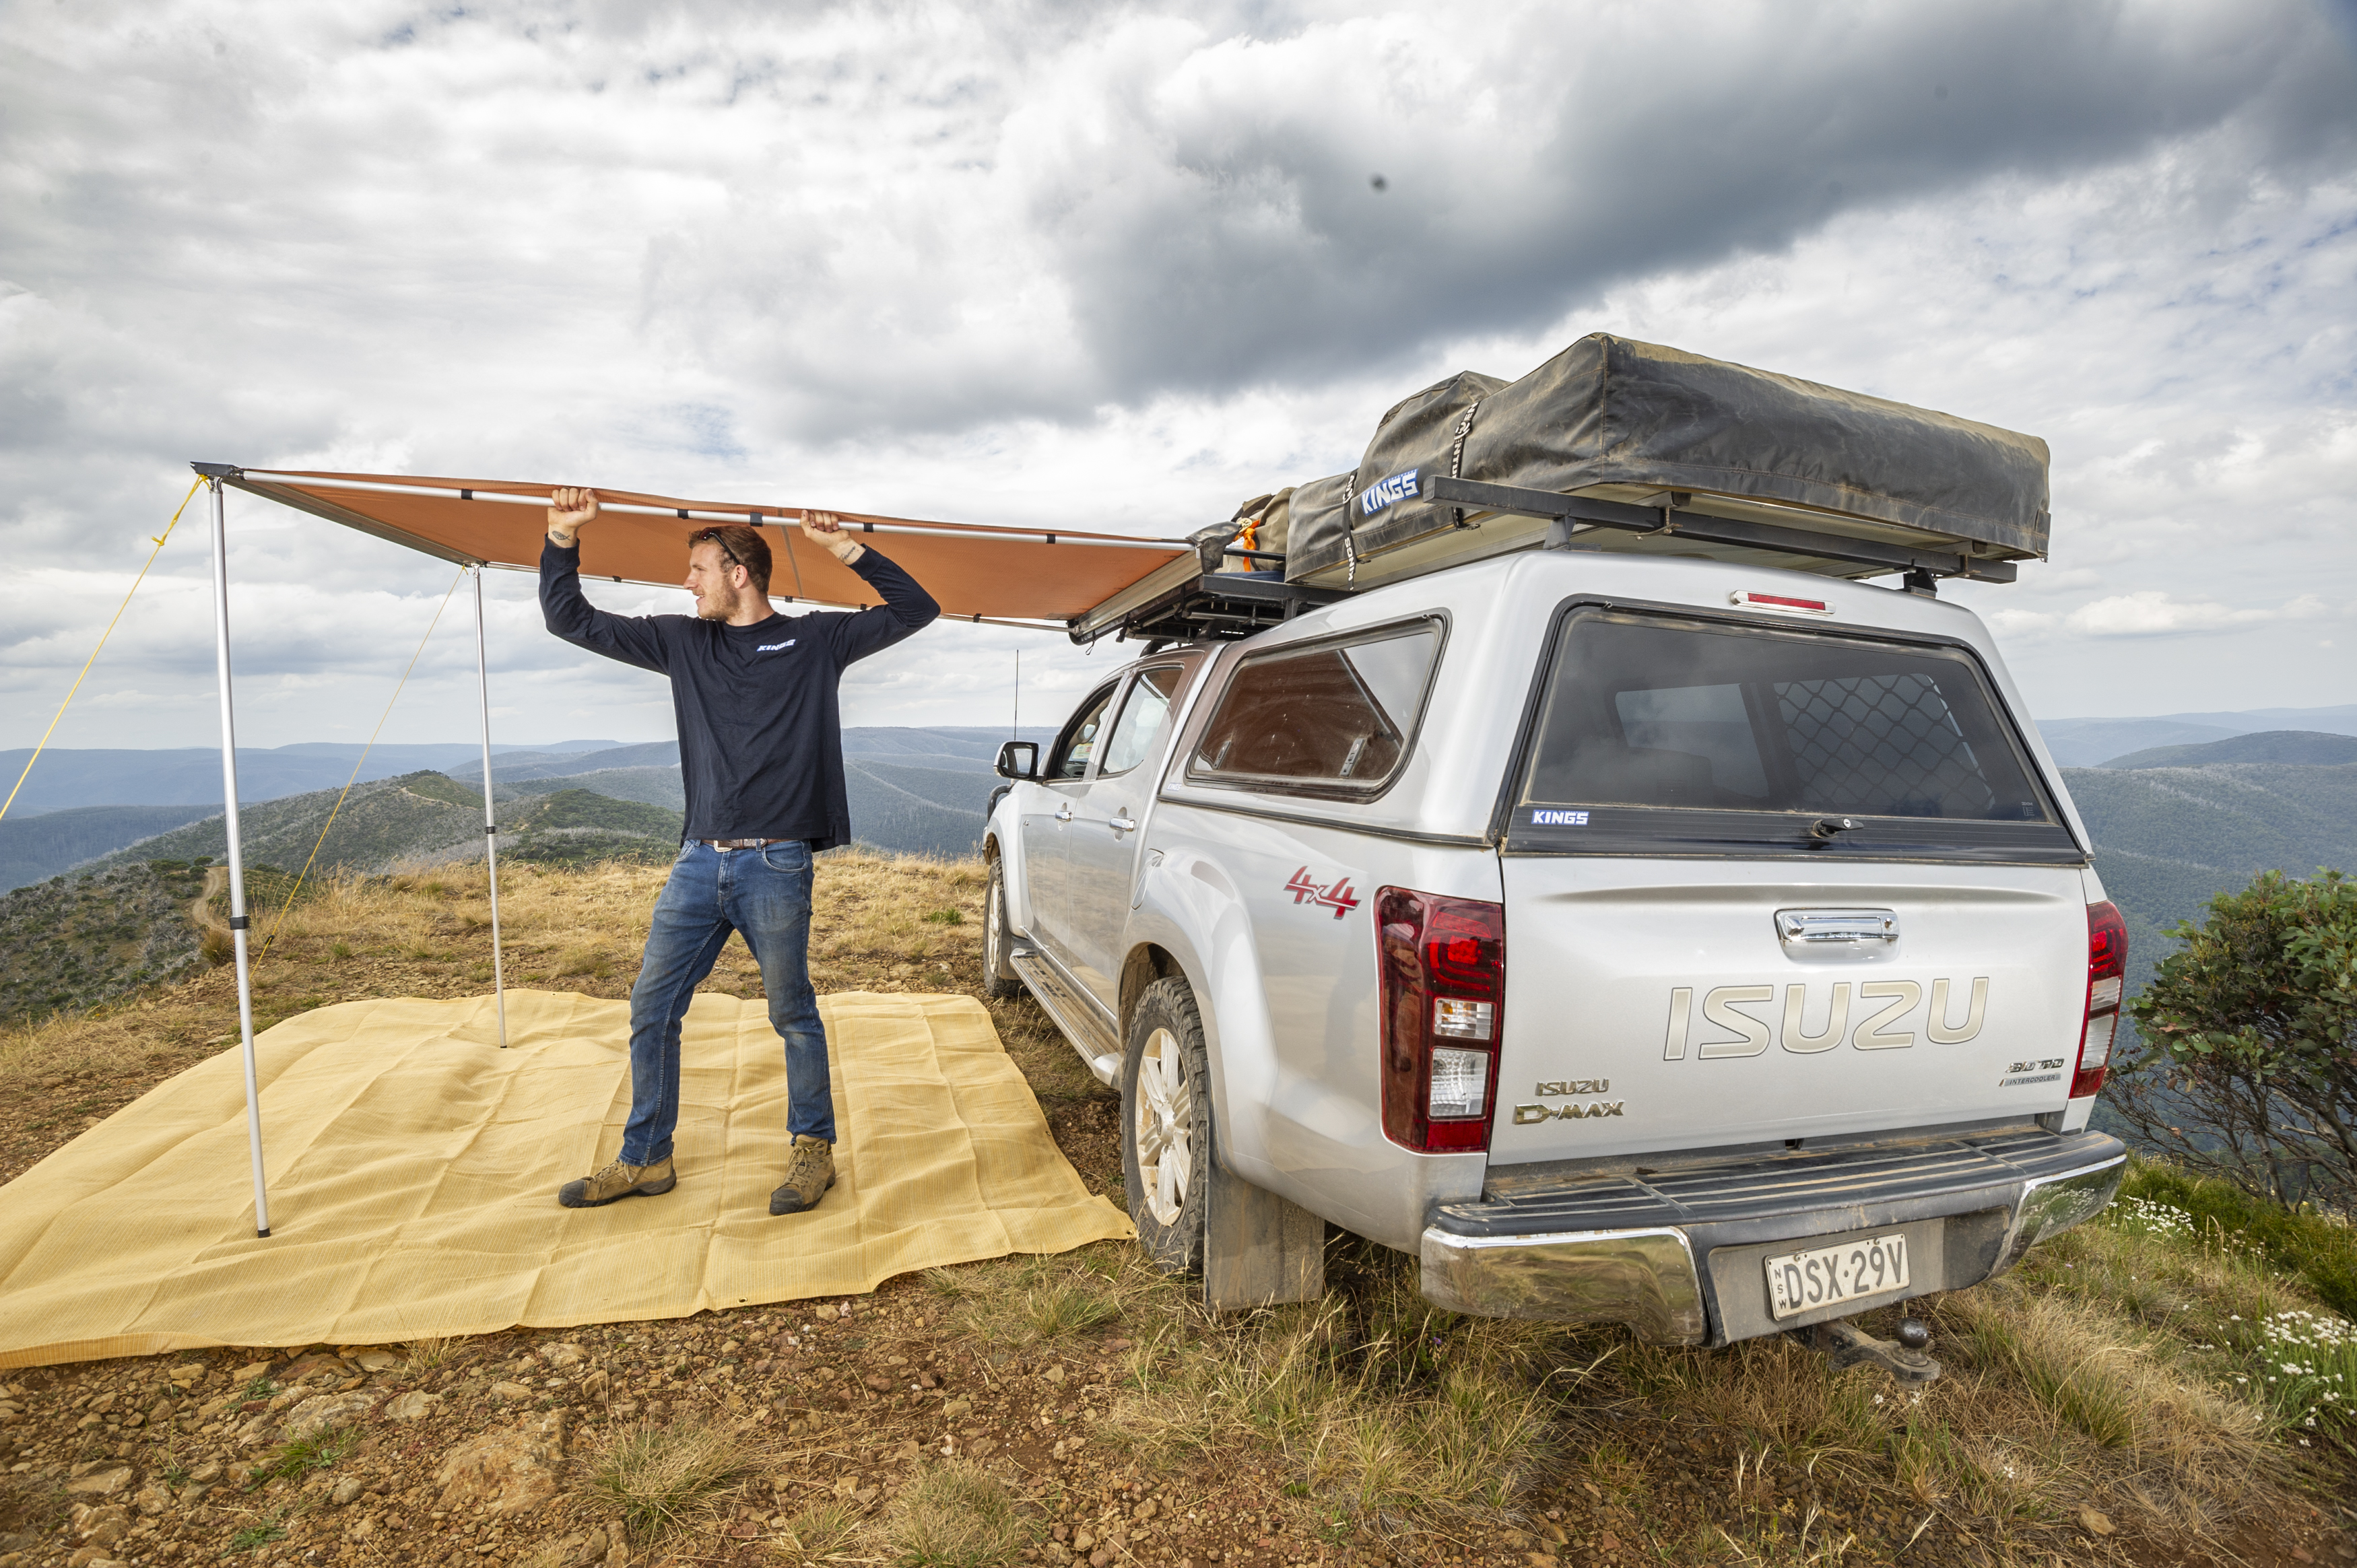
(1675,1255)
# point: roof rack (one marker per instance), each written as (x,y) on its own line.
(1576,514)
(1190,599)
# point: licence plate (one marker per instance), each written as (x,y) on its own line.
(1827,1277)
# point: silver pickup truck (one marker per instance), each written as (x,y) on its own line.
(1671,941)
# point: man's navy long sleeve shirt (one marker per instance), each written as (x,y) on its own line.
(760,731)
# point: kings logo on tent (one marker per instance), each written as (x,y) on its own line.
(1387,490)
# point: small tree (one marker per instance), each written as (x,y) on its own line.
(2246,1067)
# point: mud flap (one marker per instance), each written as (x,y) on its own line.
(1259,1249)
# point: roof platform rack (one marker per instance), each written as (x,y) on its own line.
(1190,599)
(1673,516)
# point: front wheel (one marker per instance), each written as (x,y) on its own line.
(999,979)
(1166,1122)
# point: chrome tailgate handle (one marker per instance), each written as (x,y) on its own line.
(1848,927)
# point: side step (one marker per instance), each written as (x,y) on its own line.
(1073,1014)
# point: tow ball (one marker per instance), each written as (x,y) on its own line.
(1846,1345)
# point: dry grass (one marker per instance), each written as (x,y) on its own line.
(430,935)
(954,1515)
(825,1532)
(1025,1301)
(1385,1406)
(658,1480)
(430,1355)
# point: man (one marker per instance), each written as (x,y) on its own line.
(760,751)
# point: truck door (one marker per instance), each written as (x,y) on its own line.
(1047,819)
(1101,841)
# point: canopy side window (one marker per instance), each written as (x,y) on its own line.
(1335,718)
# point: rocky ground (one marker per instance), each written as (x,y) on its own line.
(487,1450)
(1068,1410)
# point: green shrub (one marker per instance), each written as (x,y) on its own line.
(2243,1068)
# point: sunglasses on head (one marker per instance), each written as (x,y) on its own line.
(712,536)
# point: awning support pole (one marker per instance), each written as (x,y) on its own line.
(490,817)
(238,922)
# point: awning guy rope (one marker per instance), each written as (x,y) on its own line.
(101,644)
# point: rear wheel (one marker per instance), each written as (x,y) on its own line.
(1166,1121)
(999,979)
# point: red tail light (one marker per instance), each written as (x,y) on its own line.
(2107,969)
(1444,967)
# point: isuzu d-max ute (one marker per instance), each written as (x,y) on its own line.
(1631,929)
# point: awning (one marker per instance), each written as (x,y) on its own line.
(977,572)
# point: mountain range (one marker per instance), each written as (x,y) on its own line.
(2265,746)
(2092,743)
(913,791)
(2172,823)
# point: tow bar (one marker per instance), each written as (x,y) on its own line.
(1846,1345)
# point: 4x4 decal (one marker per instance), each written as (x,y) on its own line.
(1335,895)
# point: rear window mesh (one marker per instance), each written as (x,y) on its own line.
(1886,739)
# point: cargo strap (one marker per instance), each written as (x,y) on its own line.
(1351,529)
(1457,450)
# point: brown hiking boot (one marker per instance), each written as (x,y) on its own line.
(619,1180)
(808,1175)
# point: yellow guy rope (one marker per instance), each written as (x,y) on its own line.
(102,643)
(297,887)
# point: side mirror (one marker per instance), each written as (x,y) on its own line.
(1018,760)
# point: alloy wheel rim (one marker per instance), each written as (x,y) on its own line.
(1163,1130)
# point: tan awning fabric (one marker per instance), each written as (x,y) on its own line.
(976,572)
(414,1165)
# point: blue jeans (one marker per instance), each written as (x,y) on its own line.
(766,894)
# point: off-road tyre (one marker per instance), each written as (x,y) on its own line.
(999,979)
(1165,1125)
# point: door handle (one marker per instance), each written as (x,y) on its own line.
(1121,825)
(1064,812)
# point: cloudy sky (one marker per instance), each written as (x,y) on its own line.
(1118,266)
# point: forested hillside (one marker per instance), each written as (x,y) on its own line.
(74,942)
(2167,838)
(424,818)
(35,846)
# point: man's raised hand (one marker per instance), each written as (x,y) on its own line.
(567,511)
(825,529)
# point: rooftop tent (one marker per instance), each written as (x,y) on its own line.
(978,573)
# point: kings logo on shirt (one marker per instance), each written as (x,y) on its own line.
(774,647)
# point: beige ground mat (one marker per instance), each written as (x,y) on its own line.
(413,1168)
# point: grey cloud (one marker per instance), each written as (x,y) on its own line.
(1258,249)
(1111,264)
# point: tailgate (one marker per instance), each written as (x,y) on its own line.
(1777,880)
(1657,1005)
